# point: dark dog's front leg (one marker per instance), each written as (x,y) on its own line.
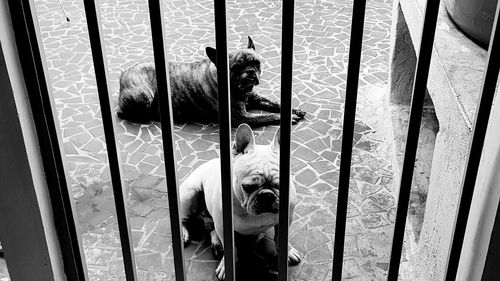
(240,115)
(255,120)
(256,101)
(258,120)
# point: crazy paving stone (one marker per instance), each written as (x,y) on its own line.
(370,207)
(200,145)
(322,166)
(373,220)
(69,148)
(320,254)
(384,199)
(317,145)
(145,168)
(306,134)
(316,238)
(146,182)
(305,154)
(208,155)
(312,272)
(158,242)
(149,261)
(321,218)
(94,146)
(307,177)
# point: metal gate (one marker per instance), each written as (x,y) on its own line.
(35,70)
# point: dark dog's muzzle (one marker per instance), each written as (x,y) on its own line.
(250,79)
(255,79)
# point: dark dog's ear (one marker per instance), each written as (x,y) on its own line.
(250,44)
(275,146)
(244,140)
(212,54)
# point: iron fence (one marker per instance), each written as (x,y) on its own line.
(35,70)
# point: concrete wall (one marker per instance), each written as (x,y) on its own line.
(481,246)
(454,84)
(27,228)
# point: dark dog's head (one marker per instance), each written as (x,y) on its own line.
(244,66)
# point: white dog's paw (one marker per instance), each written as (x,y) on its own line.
(293,256)
(185,236)
(220,271)
(217,248)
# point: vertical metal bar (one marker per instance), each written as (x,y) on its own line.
(475,149)
(163,82)
(101,73)
(28,42)
(355,46)
(225,135)
(419,88)
(287,36)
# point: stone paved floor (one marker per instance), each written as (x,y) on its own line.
(321,54)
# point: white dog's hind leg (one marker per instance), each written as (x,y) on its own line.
(189,192)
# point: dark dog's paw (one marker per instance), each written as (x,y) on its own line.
(300,113)
(295,119)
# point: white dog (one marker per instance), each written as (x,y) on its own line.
(256,189)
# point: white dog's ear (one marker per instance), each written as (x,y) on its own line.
(244,140)
(275,146)
(212,54)
(250,44)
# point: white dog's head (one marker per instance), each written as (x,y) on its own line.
(256,172)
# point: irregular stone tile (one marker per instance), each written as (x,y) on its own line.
(146,182)
(331,178)
(307,177)
(145,168)
(330,155)
(384,200)
(200,145)
(321,218)
(80,139)
(322,166)
(311,271)
(304,210)
(320,254)
(315,238)
(207,155)
(69,148)
(305,154)
(371,221)
(149,261)
(305,135)
(321,188)
(158,242)
(317,145)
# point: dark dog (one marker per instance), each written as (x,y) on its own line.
(193,88)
